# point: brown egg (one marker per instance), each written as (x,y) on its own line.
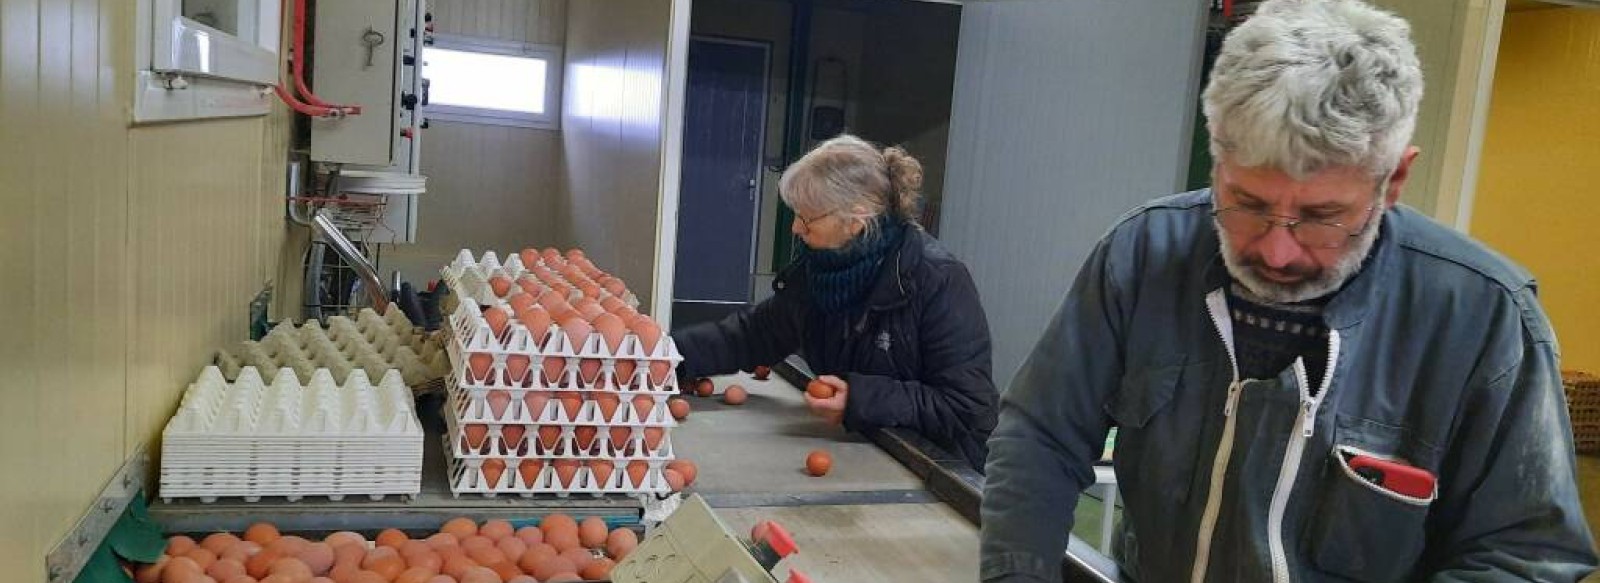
(506,570)
(564,540)
(345,572)
(530,287)
(512,546)
(530,534)
(553,369)
(344,537)
(241,551)
(571,406)
(368,577)
(476,542)
(529,258)
(201,557)
(384,561)
(552,257)
(584,435)
(565,471)
(819,390)
(674,480)
(458,566)
(643,405)
(181,570)
(601,469)
(446,539)
(608,403)
(461,527)
(549,435)
(522,579)
(513,435)
(537,320)
(249,579)
(564,577)
(346,555)
(478,363)
(734,395)
(261,564)
(598,569)
(480,575)
(557,521)
(292,568)
(442,579)
(684,468)
(611,329)
(499,319)
(289,545)
(679,408)
(592,532)
(621,542)
(704,388)
(619,438)
(427,560)
(493,469)
(180,545)
(637,472)
(653,437)
(280,579)
(412,547)
(818,462)
(616,287)
(320,556)
(486,555)
(500,285)
(151,573)
(224,569)
(531,559)
(475,434)
(579,558)
(762,372)
(415,575)
(590,310)
(219,542)
(535,402)
(530,468)
(589,290)
(552,567)
(649,334)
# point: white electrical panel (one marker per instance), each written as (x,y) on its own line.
(356,59)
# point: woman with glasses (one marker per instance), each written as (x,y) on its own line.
(886,317)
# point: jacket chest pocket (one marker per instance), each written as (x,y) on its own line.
(1155,447)
(1360,529)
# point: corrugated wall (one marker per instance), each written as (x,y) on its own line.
(1047,147)
(128,256)
(489,187)
(611,128)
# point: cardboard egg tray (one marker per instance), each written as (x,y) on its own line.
(372,343)
(251,438)
(469,277)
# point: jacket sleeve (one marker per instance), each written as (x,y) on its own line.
(1512,511)
(952,400)
(1051,430)
(762,335)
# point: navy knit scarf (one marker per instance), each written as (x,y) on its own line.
(840,278)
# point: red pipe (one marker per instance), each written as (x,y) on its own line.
(297,60)
(305,108)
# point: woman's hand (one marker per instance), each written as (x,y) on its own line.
(830,409)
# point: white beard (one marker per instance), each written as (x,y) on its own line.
(1327,282)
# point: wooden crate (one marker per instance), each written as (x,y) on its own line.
(1583,406)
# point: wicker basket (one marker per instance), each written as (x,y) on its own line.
(1583,405)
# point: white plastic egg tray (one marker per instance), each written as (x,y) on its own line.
(467,477)
(253,438)
(470,334)
(469,277)
(629,439)
(371,343)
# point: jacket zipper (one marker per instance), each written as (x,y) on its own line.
(1217,305)
(1304,425)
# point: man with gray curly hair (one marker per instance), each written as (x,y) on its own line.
(1310,382)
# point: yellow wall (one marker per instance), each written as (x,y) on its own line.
(1538,199)
(127,256)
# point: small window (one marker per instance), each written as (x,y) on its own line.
(492,82)
(200,59)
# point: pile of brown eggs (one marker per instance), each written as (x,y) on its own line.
(463,551)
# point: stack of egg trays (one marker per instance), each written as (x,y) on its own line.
(252,438)
(623,438)
(470,277)
(372,343)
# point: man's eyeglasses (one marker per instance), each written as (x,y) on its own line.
(1310,233)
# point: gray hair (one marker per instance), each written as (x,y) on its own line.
(1305,85)
(847,172)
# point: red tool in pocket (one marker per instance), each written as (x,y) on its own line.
(1394,476)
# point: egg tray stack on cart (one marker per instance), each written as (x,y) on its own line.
(558,386)
(1583,406)
(254,438)
(371,343)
